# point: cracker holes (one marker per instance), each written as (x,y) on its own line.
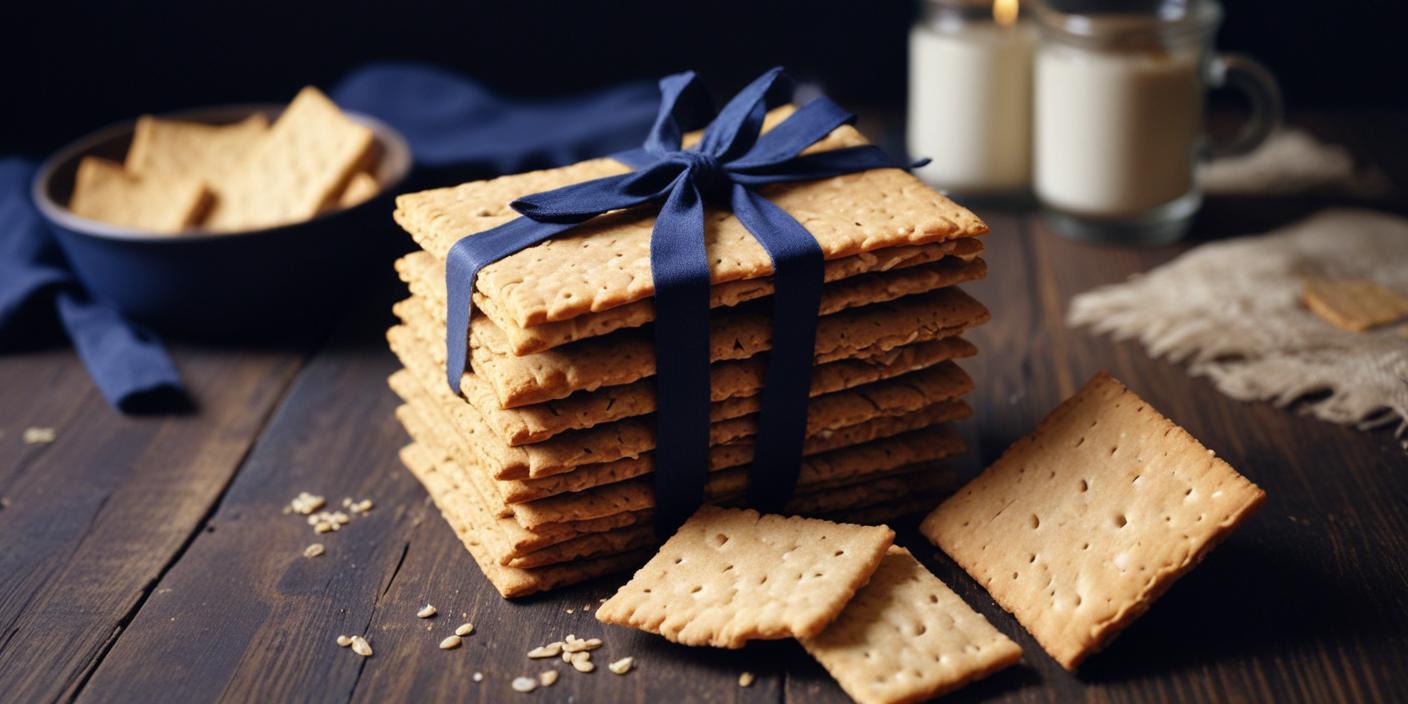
(720,540)
(1120,520)
(838,553)
(1035,521)
(697,588)
(933,598)
(1084,486)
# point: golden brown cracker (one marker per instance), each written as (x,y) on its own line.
(103,191)
(1353,305)
(729,576)
(361,187)
(181,149)
(1082,524)
(297,169)
(906,637)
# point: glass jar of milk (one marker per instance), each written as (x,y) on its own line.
(1119,114)
(970,93)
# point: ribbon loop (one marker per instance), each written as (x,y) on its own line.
(733,156)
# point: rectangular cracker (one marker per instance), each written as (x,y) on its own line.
(426,277)
(906,637)
(181,149)
(103,191)
(1083,523)
(605,263)
(729,576)
(1356,305)
(734,387)
(629,355)
(297,169)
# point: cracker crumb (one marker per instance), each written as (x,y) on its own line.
(551,650)
(478,677)
(569,611)
(305,503)
(582,662)
(566,657)
(745,679)
(361,647)
(547,678)
(524,684)
(450,643)
(356,507)
(464,629)
(38,436)
(426,611)
(344,641)
(621,666)
(314,550)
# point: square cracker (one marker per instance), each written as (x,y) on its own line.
(1082,524)
(298,168)
(176,148)
(1356,305)
(906,637)
(103,191)
(729,576)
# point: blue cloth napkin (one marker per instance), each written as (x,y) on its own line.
(457,129)
(126,362)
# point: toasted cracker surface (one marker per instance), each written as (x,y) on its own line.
(1353,305)
(729,576)
(906,637)
(177,148)
(104,191)
(297,169)
(360,187)
(1082,524)
(605,263)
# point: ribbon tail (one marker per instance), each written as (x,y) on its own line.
(462,264)
(799,267)
(679,265)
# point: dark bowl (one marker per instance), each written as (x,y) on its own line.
(258,283)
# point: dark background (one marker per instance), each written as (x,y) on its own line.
(69,68)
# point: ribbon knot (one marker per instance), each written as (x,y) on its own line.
(733,157)
(706,172)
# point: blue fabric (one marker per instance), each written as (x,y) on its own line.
(454,123)
(731,157)
(125,361)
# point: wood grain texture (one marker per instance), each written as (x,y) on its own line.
(123,585)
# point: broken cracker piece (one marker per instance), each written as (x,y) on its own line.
(1353,305)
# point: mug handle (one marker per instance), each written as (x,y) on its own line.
(1256,82)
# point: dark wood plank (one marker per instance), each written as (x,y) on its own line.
(90,522)
(245,617)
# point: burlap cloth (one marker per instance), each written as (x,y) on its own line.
(1232,310)
(1293,161)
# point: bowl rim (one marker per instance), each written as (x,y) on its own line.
(392,141)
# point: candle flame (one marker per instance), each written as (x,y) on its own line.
(1004,12)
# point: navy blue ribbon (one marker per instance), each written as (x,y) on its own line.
(732,158)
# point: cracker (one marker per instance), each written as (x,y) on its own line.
(471,526)
(629,355)
(731,576)
(605,263)
(299,168)
(361,187)
(426,277)
(1356,305)
(1082,524)
(734,387)
(103,191)
(180,149)
(906,637)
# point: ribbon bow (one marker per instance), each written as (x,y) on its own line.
(732,158)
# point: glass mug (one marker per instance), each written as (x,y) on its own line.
(1119,115)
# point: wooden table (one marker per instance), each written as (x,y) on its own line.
(147,558)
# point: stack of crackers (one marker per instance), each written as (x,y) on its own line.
(180,176)
(541,465)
